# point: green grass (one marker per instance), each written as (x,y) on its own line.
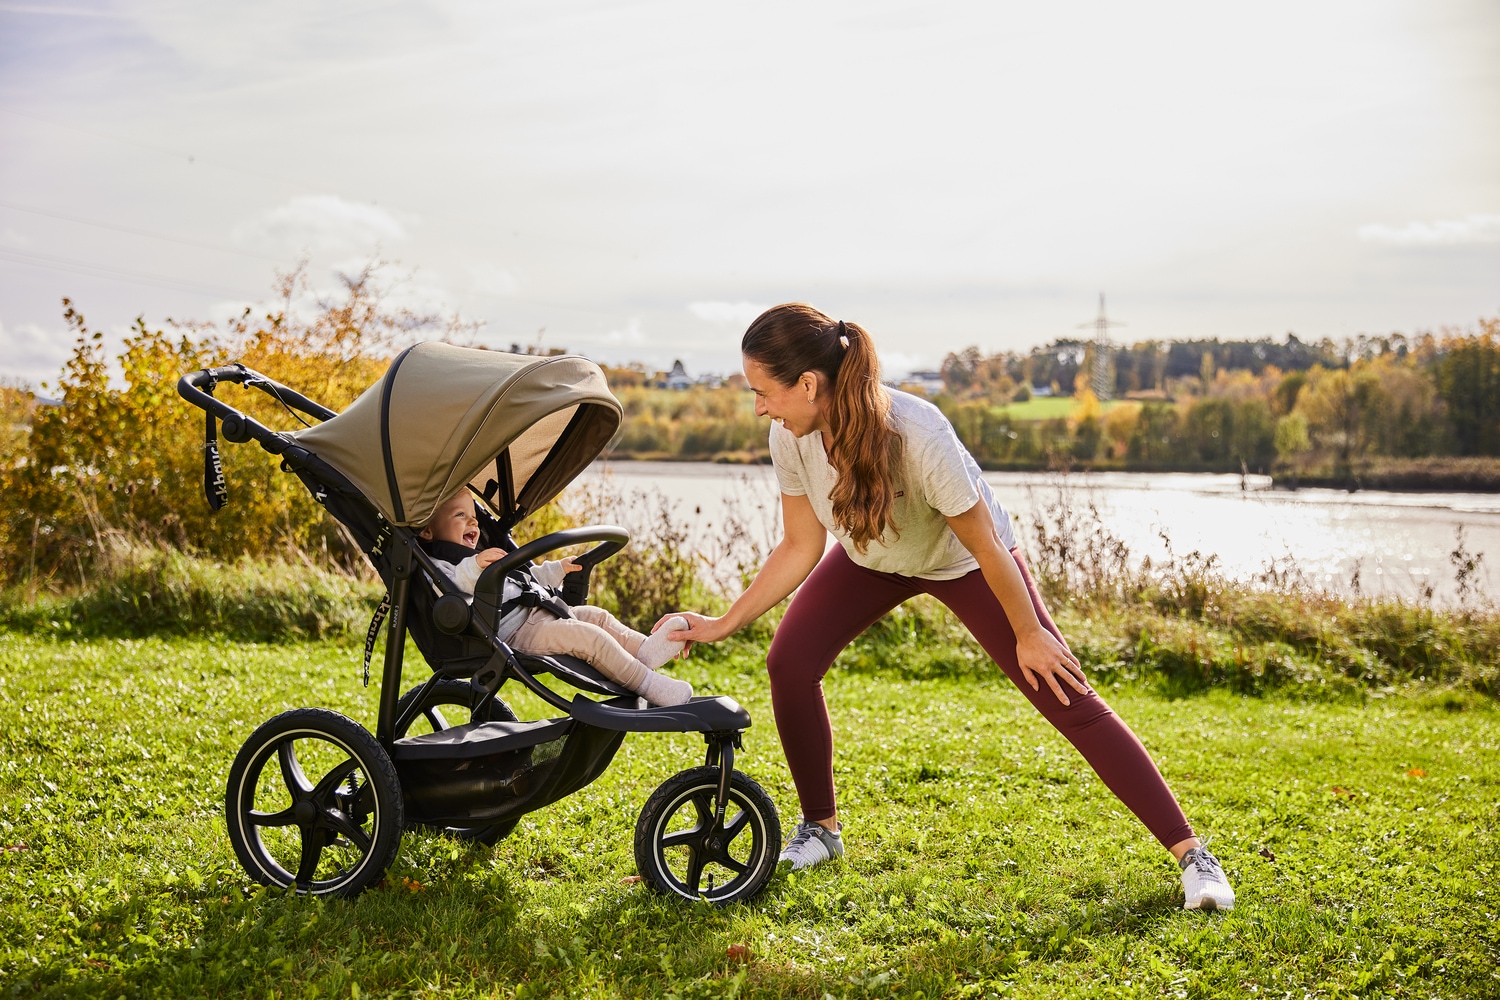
(985,859)
(1048,407)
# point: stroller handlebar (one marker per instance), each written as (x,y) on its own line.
(197,388)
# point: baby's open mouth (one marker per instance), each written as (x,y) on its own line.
(471,538)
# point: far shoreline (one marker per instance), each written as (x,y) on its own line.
(1386,475)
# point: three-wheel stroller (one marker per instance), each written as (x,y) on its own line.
(317,803)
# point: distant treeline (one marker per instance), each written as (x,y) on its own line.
(1317,411)
(1397,411)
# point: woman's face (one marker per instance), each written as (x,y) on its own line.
(798,407)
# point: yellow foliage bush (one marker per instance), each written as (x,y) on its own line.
(127,461)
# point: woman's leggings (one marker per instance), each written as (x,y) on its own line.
(840,600)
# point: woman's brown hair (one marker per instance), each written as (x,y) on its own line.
(790,339)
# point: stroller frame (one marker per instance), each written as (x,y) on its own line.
(475,780)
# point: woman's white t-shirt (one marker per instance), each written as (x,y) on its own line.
(936,478)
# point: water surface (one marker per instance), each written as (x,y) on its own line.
(1381,543)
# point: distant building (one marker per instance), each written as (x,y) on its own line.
(677,378)
(931,383)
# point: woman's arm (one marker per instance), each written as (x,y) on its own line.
(1037,650)
(802,541)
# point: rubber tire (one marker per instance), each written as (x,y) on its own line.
(762,824)
(455,693)
(381,822)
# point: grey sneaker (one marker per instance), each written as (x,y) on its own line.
(1204,886)
(812,844)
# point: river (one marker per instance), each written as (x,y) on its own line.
(1380,543)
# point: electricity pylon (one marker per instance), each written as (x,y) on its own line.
(1102,347)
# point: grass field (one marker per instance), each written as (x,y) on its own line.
(1048,407)
(984,859)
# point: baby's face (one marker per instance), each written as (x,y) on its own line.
(455,522)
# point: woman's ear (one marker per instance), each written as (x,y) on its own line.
(809,382)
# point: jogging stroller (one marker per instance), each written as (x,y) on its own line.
(318,804)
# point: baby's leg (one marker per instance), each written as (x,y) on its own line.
(623,634)
(654,650)
(545,634)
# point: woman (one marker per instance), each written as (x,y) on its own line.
(884,471)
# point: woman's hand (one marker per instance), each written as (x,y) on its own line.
(1039,652)
(701,628)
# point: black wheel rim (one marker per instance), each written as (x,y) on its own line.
(314,833)
(697,858)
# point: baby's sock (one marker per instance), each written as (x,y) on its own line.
(659,647)
(659,689)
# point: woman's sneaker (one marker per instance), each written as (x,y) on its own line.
(812,844)
(1204,885)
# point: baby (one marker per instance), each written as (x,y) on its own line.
(592,634)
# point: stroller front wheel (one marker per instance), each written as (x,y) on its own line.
(681,851)
(314,804)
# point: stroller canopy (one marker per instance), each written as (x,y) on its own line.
(517,428)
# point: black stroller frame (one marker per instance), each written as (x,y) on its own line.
(708,832)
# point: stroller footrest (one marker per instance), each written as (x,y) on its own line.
(479,739)
(720,714)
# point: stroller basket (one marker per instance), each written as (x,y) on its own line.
(515,431)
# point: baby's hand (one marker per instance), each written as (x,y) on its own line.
(483,559)
(570,565)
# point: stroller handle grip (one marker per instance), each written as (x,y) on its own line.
(612,537)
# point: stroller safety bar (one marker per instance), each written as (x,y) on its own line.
(576,586)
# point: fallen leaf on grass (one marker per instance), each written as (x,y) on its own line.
(1268,854)
(412,885)
(1415,772)
(630,880)
(738,952)
(17,847)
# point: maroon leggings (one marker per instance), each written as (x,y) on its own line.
(840,600)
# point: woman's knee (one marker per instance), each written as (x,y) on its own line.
(789,669)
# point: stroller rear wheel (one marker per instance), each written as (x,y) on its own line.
(325,816)
(446,704)
(681,851)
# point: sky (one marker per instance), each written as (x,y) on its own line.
(636,180)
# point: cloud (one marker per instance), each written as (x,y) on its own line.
(322,223)
(491,279)
(631,334)
(737,314)
(1439,232)
(33,353)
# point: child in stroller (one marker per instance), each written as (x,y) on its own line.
(535,619)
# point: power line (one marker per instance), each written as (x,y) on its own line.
(137,232)
(106,271)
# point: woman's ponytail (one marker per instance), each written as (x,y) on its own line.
(791,339)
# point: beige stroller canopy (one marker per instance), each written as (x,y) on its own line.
(515,427)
